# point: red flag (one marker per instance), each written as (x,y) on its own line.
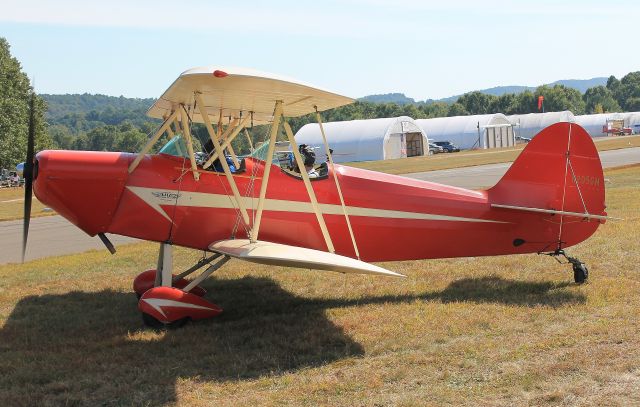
(540,100)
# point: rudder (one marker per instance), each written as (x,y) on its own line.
(559,170)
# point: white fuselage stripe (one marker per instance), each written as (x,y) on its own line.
(158,197)
(158,303)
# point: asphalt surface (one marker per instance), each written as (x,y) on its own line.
(482,176)
(54,235)
(48,236)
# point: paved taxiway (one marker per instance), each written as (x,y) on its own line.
(483,176)
(54,235)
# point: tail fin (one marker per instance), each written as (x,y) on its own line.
(559,177)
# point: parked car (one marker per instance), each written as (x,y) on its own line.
(434,149)
(447,146)
(523,139)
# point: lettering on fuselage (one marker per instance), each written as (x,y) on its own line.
(588,180)
(166,196)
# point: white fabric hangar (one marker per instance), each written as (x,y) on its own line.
(528,125)
(477,131)
(367,140)
(595,124)
(632,120)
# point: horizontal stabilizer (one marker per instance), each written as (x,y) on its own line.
(554,212)
(293,256)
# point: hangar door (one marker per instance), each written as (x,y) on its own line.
(415,146)
(497,136)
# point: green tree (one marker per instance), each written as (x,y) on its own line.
(560,97)
(526,102)
(477,102)
(600,96)
(613,84)
(61,136)
(435,109)
(628,90)
(15,91)
(598,109)
(131,140)
(457,109)
(633,104)
(506,104)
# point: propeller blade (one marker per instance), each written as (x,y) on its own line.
(28,175)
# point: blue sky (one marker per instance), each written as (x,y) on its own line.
(354,47)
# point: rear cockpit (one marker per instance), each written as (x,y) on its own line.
(285,159)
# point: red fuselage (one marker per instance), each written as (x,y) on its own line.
(393,217)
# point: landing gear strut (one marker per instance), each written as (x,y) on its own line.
(580,270)
(167,300)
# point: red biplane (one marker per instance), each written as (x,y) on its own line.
(250,208)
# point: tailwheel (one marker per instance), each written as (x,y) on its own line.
(580,272)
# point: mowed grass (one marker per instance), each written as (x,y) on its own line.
(12,205)
(510,330)
(475,157)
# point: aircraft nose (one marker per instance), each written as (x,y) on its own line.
(83,186)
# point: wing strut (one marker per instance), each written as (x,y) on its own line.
(335,178)
(166,125)
(228,136)
(307,184)
(186,132)
(246,133)
(275,125)
(225,166)
(224,137)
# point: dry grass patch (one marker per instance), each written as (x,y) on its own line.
(510,330)
(12,205)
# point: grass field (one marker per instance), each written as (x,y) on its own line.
(12,205)
(510,330)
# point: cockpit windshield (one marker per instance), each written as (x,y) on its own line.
(282,152)
(176,147)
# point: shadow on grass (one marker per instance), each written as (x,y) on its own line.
(89,348)
(483,290)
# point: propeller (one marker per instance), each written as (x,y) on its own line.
(28,175)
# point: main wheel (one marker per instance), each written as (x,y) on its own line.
(580,273)
(152,322)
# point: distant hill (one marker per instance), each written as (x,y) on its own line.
(580,84)
(398,98)
(59,106)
